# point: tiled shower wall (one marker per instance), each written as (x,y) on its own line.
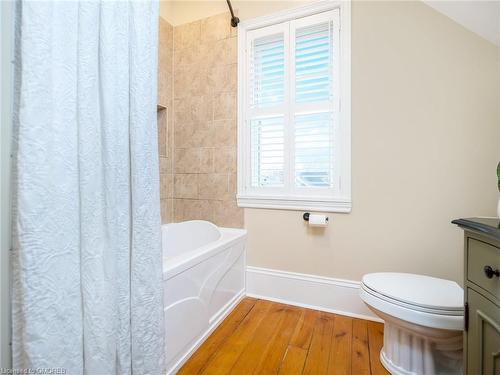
(165,118)
(204,169)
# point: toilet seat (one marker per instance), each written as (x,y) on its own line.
(417,299)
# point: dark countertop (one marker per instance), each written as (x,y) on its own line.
(488,226)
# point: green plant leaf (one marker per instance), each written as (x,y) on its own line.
(498,176)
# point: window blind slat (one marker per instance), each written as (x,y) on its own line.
(313,150)
(313,61)
(267,71)
(267,151)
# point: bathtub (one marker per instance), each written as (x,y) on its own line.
(203,280)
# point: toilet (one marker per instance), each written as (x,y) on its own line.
(423,319)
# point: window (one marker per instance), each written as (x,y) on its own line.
(294,110)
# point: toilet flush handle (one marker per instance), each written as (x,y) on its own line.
(490,272)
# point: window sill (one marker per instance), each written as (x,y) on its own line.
(296,203)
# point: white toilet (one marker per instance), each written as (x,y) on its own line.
(423,322)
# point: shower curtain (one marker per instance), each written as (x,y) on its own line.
(87,250)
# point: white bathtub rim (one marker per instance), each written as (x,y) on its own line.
(177,264)
(188,225)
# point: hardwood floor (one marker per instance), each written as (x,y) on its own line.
(263,337)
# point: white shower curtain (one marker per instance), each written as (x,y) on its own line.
(87,250)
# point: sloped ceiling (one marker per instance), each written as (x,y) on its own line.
(481,17)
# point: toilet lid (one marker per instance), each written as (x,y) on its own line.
(419,290)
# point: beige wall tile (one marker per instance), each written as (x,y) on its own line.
(212,185)
(170,179)
(191,135)
(170,119)
(204,122)
(165,116)
(187,160)
(220,52)
(225,106)
(227,50)
(187,35)
(206,160)
(222,78)
(193,160)
(170,210)
(197,210)
(166,185)
(189,56)
(208,54)
(193,110)
(234,30)
(225,133)
(216,27)
(190,80)
(166,33)
(164,62)
(227,214)
(186,186)
(167,210)
(165,165)
(168,85)
(163,186)
(232,186)
(165,55)
(178,210)
(163,78)
(225,160)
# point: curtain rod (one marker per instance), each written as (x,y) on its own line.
(234,20)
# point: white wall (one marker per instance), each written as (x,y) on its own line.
(6,16)
(425,144)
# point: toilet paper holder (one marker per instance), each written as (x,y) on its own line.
(306,216)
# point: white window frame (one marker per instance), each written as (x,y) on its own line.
(326,200)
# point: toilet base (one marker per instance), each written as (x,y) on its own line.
(415,350)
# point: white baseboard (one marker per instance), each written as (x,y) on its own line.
(220,316)
(314,292)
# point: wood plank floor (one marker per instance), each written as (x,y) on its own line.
(263,337)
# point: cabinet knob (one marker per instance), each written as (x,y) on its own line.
(490,272)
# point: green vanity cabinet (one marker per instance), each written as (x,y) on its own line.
(482,295)
(483,335)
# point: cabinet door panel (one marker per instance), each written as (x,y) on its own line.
(483,338)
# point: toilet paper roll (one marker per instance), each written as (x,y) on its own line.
(318,220)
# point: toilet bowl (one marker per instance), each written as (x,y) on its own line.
(423,322)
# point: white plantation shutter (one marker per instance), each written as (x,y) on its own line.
(267,71)
(267,151)
(266,105)
(313,87)
(314,150)
(293,148)
(314,62)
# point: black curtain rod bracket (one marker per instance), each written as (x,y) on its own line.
(234,20)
